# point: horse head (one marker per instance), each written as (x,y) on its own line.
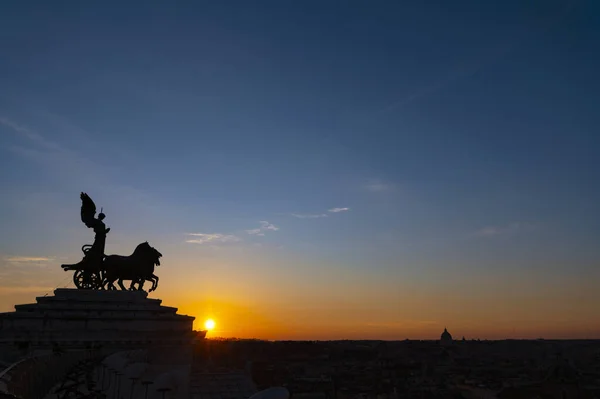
(148,252)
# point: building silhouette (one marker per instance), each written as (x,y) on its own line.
(446,338)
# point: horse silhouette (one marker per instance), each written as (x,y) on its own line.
(137,267)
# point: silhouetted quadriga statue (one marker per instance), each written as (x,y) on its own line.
(99,271)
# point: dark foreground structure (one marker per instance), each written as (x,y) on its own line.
(125,333)
(89,341)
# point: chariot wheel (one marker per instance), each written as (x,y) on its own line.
(87,280)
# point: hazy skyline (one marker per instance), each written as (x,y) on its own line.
(313,170)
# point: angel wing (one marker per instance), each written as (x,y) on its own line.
(88,210)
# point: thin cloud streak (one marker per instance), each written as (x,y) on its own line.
(338,210)
(458,73)
(379,186)
(30,135)
(215,238)
(27,259)
(70,165)
(319,215)
(492,55)
(491,231)
(309,216)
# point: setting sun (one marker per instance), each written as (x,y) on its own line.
(209,324)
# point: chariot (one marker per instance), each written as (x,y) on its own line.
(97,271)
(89,273)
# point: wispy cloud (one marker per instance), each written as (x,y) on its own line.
(71,166)
(27,259)
(338,210)
(264,226)
(377,186)
(309,216)
(268,226)
(29,134)
(319,215)
(214,238)
(467,68)
(42,149)
(219,238)
(490,231)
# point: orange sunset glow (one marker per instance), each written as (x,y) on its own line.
(308,170)
(373,307)
(271,297)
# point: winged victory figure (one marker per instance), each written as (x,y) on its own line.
(88,213)
(94,254)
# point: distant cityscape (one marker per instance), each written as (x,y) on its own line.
(445,368)
(86,344)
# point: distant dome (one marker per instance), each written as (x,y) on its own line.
(446,337)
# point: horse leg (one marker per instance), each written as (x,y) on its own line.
(108,281)
(141,284)
(102,280)
(154,282)
(110,284)
(122,285)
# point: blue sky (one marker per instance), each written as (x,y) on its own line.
(461,136)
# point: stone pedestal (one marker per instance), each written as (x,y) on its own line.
(111,322)
(81,318)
